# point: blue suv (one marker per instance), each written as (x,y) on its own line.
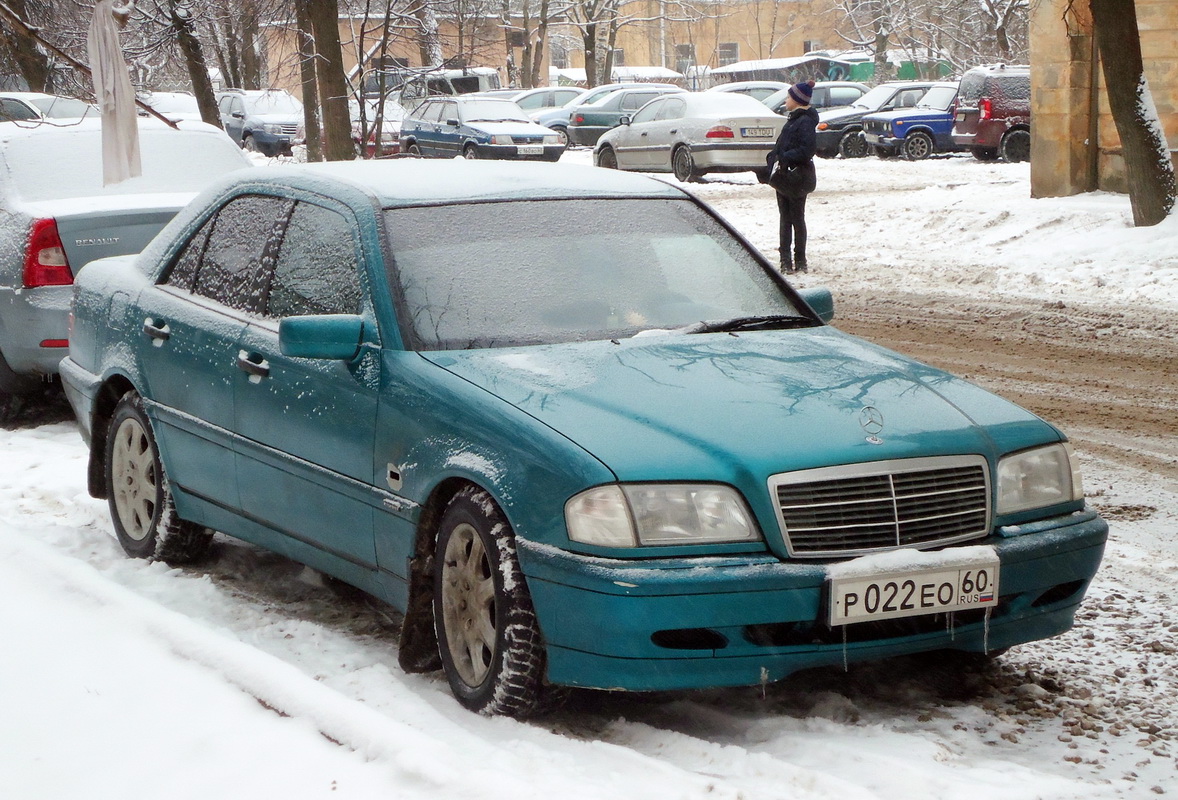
(918,132)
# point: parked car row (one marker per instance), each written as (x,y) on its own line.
(359,366)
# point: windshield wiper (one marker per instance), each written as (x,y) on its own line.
(758,323)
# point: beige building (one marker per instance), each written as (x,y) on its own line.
(1075,146)
(657,34)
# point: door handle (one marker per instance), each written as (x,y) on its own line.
(159,331)
(254,364)
(674,130)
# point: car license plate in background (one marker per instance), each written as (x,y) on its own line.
(756,133)
(909,594)
(961,116)
(530,149)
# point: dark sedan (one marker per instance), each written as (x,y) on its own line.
(588,122)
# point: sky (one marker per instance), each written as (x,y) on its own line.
(250,678)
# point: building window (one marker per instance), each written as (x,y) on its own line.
(517,38)
(728,53)
(684,57)
(809,46)
(619,56)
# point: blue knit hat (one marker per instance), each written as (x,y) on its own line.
(802,92)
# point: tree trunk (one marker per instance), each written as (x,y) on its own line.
(32,62)
(431,43)
(333,84)
(311,127)
(194,59)
(251,65)
(589,39)
(1143,142)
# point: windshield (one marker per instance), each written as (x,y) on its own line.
(67,162)
(542,272)
(174,103)
(876,97)
(273,103)
(63,107)
(493,111)
(938,97)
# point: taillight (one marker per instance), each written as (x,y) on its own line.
(719,132)
(985,108)
(45,261)
(579,119)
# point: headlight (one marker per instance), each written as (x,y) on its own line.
(272,128)
(553,139)
(1038,478)
(501,138)
(659,514)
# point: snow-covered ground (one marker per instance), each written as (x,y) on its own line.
(249,678)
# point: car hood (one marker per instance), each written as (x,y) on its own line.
(276,119)
(842,113)
(509,128)
(742,407)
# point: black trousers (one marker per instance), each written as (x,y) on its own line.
(792,213)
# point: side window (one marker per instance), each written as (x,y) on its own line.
(909,98)
(427,111)
(649,111)
(15,110)
(449,111)
(536,100)
(673,108)
(316,271)
(183,271)
(844,95)
(241,247)
(637,100)
(821,97)
(565,95)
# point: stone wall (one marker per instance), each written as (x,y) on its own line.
(1075,147)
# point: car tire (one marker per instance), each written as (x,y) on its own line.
(412,149)
(918,146)
(563,133)
(853,145)
(1016,146)
(470,152)
(984,153)
(606,158)
(488,637)
(140,499)
(683,164)
(250,144)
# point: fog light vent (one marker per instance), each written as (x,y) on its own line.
(690,639)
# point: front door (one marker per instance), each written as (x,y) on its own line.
(305,464)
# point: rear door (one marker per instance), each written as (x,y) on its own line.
(187,345)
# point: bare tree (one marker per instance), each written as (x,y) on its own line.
(310,83)
(33,62)
(1143,141)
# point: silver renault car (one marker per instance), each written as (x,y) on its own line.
(56,216)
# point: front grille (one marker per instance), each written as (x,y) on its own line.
(874,126)
(527,139)
(289,130)
(865,508)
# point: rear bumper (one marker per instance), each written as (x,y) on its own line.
(81,388)
(734,157)
(586,135)
(34,327)
(683,623)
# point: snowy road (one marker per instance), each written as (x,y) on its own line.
(248,677)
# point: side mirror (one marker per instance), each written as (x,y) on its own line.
(326,336)
(238,115)
(624,120)
(453,122)
(821,300)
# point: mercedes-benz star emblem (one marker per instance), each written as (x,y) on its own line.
(872,422)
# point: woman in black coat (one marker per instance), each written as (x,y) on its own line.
(795,150)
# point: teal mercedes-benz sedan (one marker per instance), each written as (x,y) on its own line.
(570,423)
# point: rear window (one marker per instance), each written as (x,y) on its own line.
(63,107)
(67,162)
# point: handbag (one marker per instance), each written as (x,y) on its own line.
(796,180)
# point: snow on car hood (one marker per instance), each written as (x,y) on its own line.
(740,408)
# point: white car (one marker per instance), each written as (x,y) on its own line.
(690,134)
(36,107)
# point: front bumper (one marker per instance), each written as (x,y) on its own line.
(828,141)
(512,152)
(732,621)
